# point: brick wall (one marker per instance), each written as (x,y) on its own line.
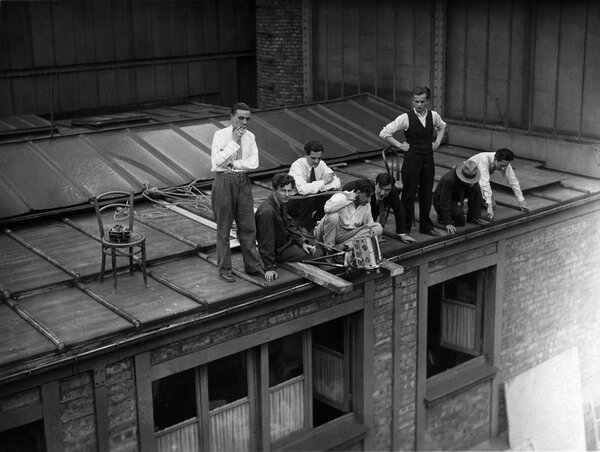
(460,421)
(77,419)
(121,406)
(279,62)
(383,367)
(407,289)
(552,300)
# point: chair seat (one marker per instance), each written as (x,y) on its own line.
(134,240)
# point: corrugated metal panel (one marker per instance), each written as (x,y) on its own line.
(67,170)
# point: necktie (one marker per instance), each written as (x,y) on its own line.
(382,213)
(312,175)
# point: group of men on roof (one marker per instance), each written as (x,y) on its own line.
(309,214)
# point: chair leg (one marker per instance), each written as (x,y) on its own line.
(143,264)
(103,265)
(113,256)
(131,260)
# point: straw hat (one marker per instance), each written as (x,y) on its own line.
(468,172)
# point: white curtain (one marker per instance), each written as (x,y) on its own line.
(328,374)
(287,407)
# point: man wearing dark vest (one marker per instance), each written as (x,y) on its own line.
(420,125)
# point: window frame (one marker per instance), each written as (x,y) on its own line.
(480,367)
(256,349)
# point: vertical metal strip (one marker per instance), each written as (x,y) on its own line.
(556,84)
(439,53)
(52,416)
(466,48)
(531,81)
(506,119)
(101,407)
(486,75)
(367,363)
(145,409)
(421,384)
(585,47)
(496,333)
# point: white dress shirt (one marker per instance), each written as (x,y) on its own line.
(224,152)
(300,171)
(402,123)
(485,163)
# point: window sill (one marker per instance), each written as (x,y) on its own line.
(328,436)
(458,379)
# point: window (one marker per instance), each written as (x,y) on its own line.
(212,399)
(25,438)
(455,322)
(270,394)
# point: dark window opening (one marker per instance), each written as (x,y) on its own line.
(454,331)
(285,359)
(174,399)
(25,438)
(331,368)
(227,380)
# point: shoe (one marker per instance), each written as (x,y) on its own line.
(480,221)
(434,232)
(259,272)
(227,277)
(405,238)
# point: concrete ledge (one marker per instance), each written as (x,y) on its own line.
(581,158)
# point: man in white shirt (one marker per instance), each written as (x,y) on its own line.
(488,162)
(233,154)
(348,217)
(312,176)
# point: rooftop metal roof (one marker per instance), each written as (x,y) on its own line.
(54,308)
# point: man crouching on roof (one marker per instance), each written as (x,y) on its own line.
(348,217)
(279,239)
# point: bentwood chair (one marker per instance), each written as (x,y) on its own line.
(119,239)
(393,166)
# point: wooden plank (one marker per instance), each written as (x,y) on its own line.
(391,268)
(206,222)
(319,276)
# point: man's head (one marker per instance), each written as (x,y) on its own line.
(314,153)
(420,98)
(503,157)
(468,172)
(383,185)
(240,115)
(363,190)
(283,187)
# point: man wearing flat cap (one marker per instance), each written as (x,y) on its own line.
(456,186)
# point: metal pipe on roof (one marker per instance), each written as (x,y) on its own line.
(75,275)
(107,304)
(29,318)
(177,288)
(171,327)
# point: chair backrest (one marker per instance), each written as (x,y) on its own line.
(120,203)
(393,162)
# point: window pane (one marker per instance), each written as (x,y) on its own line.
(330,372)
(174,399)
(229,405)
(285,359)
(463,289)
(287,386)
(227,380)
(25,438)
(453,326)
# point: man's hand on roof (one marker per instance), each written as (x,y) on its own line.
(270,275)
(523,205)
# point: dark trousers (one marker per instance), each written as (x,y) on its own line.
(231,198)
(295,253)
(417,177)
(474,204)
(307,210)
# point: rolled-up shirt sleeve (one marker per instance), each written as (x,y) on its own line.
(400,123)
(512,180)
(249,160)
